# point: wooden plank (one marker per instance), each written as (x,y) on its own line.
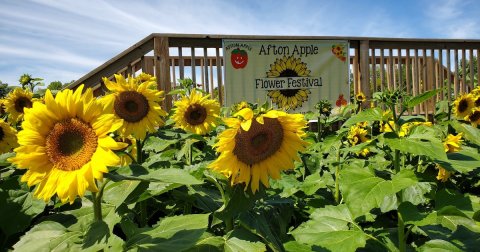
(472,71)
(205,65)
(408,77)
(193,66)
(356,74)
(449,75)
(210,69)
(416,80)
(441,74)
(425,78)
(478,67)
(432,83)
(364,66)
(202,74)
(456,85)
(374,71)
(181,66)
(391,73)
(464,73)
(173,79)
(399,66)
(162,68)
(382,70)
(219,75)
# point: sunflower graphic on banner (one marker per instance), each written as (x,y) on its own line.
(291,75)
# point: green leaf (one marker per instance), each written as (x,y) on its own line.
(421,98)
(439,246)
(294,246)
(137,172)
(415,194)
(432,149)
(374,114)
(175,233)
(470,133)
(208,243)
(116,193)
(331,228)
(312,183)
(4,157)
(464,161)
(40,236)
(18,206)
(411,215)
(157,144)
(363,191)
(236,245)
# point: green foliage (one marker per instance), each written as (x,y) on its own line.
(338,197)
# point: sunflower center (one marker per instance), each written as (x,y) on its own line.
(2,134)
(71,144)
(21,103)
(462,105)
(195,114)
(288,73)
(259,142)
(475,116)
(477,102)
(289,92)
(131,106)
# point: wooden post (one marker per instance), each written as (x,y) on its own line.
(364,68)
(162,68)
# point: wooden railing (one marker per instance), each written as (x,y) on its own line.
(377,64)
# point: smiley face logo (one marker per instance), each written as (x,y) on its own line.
(239,58)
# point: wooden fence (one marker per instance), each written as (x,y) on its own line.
(376,64)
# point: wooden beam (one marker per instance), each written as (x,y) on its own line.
(162,68)
(364,68)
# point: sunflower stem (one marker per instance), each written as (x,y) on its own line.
(139,151)
(97,201)
(97,207)
(337,182)
(190,153)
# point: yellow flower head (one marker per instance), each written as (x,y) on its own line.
(131,149)
(136,104)
(8,137)
(65,144)
(16,102)
(452,143)
(196,113)
(241,105)
(256,147)
(357,135)
(474,117)
(463,105)
(443,174)
(406,128)
(364,152)
(360,97)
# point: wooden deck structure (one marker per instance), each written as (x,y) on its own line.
(376,64)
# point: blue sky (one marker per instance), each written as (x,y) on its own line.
(65,39)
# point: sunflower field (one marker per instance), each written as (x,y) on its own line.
(118,173)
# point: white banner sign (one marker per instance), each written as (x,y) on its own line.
(292,75)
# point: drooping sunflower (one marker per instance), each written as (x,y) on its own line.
(463,105)
(357,135)
(443,174)
(474,117)
(136,104)
(8,137)
(196,113)
(131,149)
(16,102)
(453,143)
(256,147)
(288,67)
(65,144)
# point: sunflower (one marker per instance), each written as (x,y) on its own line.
(476,100)
(452,143)
(360,97)
(463,105)
(474,117)
(196,113)
(65,144)
(136,104)
(8,137)
(130,150)
(256,147)
(443,174)
(288,67)
(357,135)
(16,102)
